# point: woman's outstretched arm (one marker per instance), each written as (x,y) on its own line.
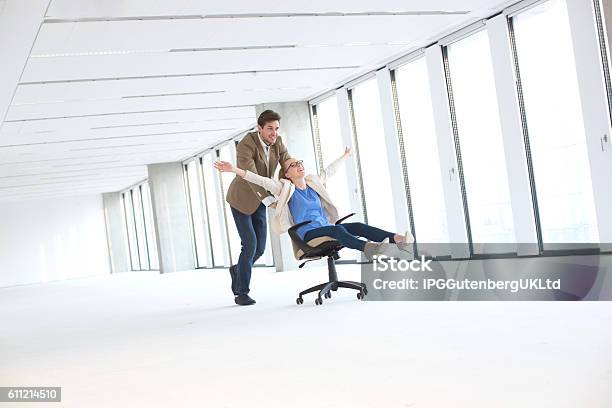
(330,170)
(269,184)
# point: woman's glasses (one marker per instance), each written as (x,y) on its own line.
(296,163)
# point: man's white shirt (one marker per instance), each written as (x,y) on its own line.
(268,200)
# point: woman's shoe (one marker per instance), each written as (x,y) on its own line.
(400,251)
(379,249)
(408,238)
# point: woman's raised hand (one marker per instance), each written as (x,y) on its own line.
(223,166)
(347,152)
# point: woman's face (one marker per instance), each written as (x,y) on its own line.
(294,168)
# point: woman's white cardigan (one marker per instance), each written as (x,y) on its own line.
(283,190)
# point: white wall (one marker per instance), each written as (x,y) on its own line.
(19,23)
(53,239)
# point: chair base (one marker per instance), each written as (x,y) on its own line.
(332,284)
(326,288)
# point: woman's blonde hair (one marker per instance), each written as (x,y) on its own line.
(281,174)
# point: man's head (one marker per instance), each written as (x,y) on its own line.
(268,124)
(292,169)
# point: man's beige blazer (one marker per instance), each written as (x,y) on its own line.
(242,195)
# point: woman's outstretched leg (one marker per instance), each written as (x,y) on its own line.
(349,240)
(378,235)
(371,233)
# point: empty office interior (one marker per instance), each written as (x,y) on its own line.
(482,127)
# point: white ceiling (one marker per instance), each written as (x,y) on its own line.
(110,86)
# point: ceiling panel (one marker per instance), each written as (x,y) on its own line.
(143,37)
(79,108)
(123,8)
(114,131)
(197,64)
(48,160)
(144,142)
(119,121)
(204,135)
(253,82)
(114,85)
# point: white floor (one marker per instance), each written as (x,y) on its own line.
(176,340)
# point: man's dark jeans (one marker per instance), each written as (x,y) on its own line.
(252,231)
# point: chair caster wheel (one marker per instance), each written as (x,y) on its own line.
(360,295)
(365,291)
(318,301)
(299,301)
(327,295)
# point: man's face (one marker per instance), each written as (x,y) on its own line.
(269,132)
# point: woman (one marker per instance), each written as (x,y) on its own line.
(303,197)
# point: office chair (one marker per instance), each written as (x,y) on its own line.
(319,248)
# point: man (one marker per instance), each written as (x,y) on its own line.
(258,152)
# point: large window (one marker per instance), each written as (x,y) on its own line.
(140,232)
(481,144)
(198,213)
(128,211)
(211,215)
(331,146)
(368,123)
(143,250)
(228,153)
(149,226)
(421,153)
(215,214)
(555,125)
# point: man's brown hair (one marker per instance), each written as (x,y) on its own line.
(267,116)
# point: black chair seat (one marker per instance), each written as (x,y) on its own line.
(322,250)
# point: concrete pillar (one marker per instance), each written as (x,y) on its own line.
(594,102)
(607,17)
(171,217)
(446,149)
(296,131)
(394,161)
(116,233)
(514,146)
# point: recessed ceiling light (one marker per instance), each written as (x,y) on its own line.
(173,94)
(358,44)
(69,177)
(243,48)
(86,163)
(400,42)
(107,147)
(215,120)
(97,53)
(64,101)
(136,125)
(293,88)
